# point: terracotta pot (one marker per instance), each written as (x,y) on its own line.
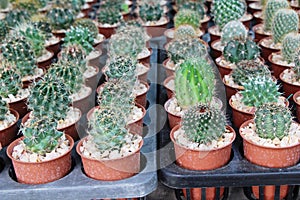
(170,92)
(45,64)
(294,5)
(213,36)
(247,22)
(224,70)
(92,81)
(111,170)
(146,60)
(230,91)
(277,69)
(55,48)
(204,24)
(84,104)
(142,98)
(288,88)
(257,19)
(156,30)
(19,106)
(266,51)
(254,7)
(41,172)
(28,82)
(259,36)
(169,71)
(86,11)
(144,76)
(210,193)
(173,119)
(10,133)
(215,53)
(126,16)
(91,2)
(107,31)
(295,96)
(95,60)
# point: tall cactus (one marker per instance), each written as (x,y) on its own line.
(233,30)
(290,45)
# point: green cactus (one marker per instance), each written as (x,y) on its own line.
(18,51)
(247,69)
(273,121)
(296,68)
(15,17)
(4,4)
(236,51)
(194,82)
(89,24)
(150,12)
(259,90)
(74,5)
(269,11)
(122,67)
(10,80)
(31,6)
(225,11)
(195,6)
(284,21)
(183,48)
(233,30)
(3,30)
(60,18)
(203,124)
(3,109)
(74,52)
(41,135)
(109,16)
(189,17)
(290,45)
(49,98)
(185,31)
(120,5)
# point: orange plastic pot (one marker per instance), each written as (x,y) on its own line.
(144,76)
(173,119)
(8,134)
(258,36)
(107,31)
(84,104)
(230,91)
(215,53)
(92,81)
(20,106)
(169,72)
(45,64)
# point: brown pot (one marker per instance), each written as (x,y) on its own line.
(99,45)
(266,51)
(224,70)
(169,72)
(84,104)
(259,36)
(95,61)
(45,64)
(173,119)
(144,76)
(277,69)
(247,23)
(107,31)
(156,30)
(41,172)
(295,96)
(213,36)
(142,98)
(28,82)
(111,170)
(55,48)
(230,91)
(294,5)
(215,53)
(204,24)
(92,81)
(19,106)
(257,19)
(10,133)
(86,11)
(59,33)
(170,92)
(146,60)
(288,88)
(254,7)
(126,16)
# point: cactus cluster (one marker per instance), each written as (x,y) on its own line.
(284,22)
(121,67)
(273,121)
(89,24)
(150,12)
(183,48)
(233,30)
(60,18)
(225,11)
(185,31)
(194,82)
(290,45)
(109,16)
(195,6)
(203,124)
(260,90)
(3,109)
(187,17)
(16,16)
(3,30)
(238,50)
(10,80)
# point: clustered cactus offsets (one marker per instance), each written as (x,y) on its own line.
(290,45)
(234,30)
(150,12)
(60,18)
(186,16)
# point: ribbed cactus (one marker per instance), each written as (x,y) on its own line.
(4,4)
(225,11)
(247,69)
(273,121)
(109,16)
(187,17)
(296,68)
(259,90)
(3,30)
(89,24)
(122,67)
(195,6)
(80,36)
(15,17)
(41,135)
(236,50)
(269,11)
(3,109)
(10,80)
(290,45)
(183,48)
(234,30)
(74,53)
(150,12)
(60,18)
(203,124)
(284,21)
(194,82)
(185,31)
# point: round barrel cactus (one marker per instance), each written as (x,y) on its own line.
(185,31)
(150,12)
(290,45)
(60,18)
(10,79)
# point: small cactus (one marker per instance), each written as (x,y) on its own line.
(233,30)
(195,6)
(4,4)
(236,51)
(15,17)
(290,45)
(10,80)
(89,24)
(225,11)
(259,90)
(74,5)
(74,52)
(194,82)
(187,17)
(269,11)
(60,18)
(273,121)
(150,12)
(120,5)
(3,109)
(3,30)
(284,21)
(44,27)
(122,67)
(185,31)
(203,124)
(109,16)
(296,68)
(31,6)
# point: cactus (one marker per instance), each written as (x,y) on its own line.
(225,11)
(194,82)
(273,121)
(183,48)
(195,6)
(41,135)
(290,45)
(189,17)
(44,27)
(49,97)
(10,80)
(247,69)
(74,5)
(4,4)
(236,51)
(109,16)
(296,68)
(15,17)
(203,124)
(81,36)
(150,12)
(3,30)
(89,24)
(284,21)
(60,18)
(233,30)
(122,67)
(3,109)
(31,6)
(184,31)
(259,90)
(120,5)
(74,52)
(18,51)
(269,11)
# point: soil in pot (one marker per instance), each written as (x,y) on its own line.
(289,84)
(19,102)
(9,128)
(267,47)
(277,64)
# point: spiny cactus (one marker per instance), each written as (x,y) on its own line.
(236,50)
(120,5)
(194,82)
(3,30)
(203,124)
(183,48)
(16,16)
(81,36)
(4,4)
(290,45)
(269,11)
(10,80)
(31,6)
(185,31)
(225,11)
(234,30)
(49,97)
(44,27)
(296,68)
(41,135)
(273,121)
(189,17)
(122,67)
(109,16)
(74,5)
(259,90)
(247,69)
(60,18)
(74,53)
(89,24)
(284,21)
(150,12)
(3,109)
(195,6)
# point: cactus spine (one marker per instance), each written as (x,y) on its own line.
(290,45)
(296,68)
(233,30)
(195,6)
(15,17)
(187,17)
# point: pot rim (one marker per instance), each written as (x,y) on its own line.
(17,116)
(297,94)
